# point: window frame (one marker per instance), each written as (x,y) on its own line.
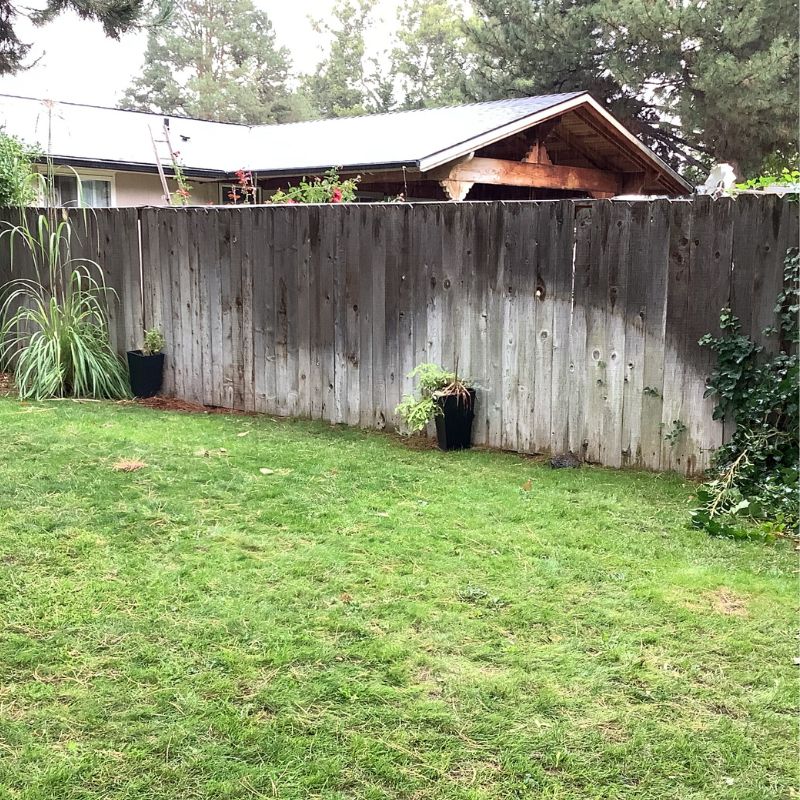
(106,176)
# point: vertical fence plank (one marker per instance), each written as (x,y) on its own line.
(525,286)
(615,269)
(368,253)
(167,265)
(596,354)
(150,284)
(542,338)
(437,276)
(391,341)
(314,255)
(377,302)
(677,301)
(352,316)
(206,245)
(509,334)
(496,290)
(657,278)
(635,323)
(577,385)
(561,299)
(418,268)
(325,342)
(405,301)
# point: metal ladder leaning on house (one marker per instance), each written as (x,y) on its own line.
(160,158)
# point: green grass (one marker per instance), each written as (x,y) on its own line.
(371,621)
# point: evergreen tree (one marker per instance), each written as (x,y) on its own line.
(116,17)
(430,64)
(347,83)
(218,60)
(698,80)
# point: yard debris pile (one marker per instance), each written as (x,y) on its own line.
(565,461)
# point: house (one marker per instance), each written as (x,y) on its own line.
(560,145)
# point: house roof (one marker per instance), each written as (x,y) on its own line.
(423,139)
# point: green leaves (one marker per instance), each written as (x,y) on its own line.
(434,382)
(330,188)
(54,327)
(17,178)
(755,473)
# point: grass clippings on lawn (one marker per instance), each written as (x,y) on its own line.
(369,621)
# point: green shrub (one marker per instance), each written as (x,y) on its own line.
(17,176)
(754,482)
(54,327)
(330,188)
(153,342)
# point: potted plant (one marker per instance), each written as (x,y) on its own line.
(444,398)
(146,366)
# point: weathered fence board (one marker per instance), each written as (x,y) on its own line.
(578,321)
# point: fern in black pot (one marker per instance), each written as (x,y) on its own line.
(444,398)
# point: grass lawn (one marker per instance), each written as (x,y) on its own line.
(369,620)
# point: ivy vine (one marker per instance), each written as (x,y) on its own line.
(753,486)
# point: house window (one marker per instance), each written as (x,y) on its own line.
(72,191)
(233,194)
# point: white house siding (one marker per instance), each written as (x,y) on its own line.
(143,189)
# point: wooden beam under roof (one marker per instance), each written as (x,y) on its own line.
(541,176)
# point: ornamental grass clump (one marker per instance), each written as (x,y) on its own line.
(54,325)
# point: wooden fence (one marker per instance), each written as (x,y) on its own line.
(578,321)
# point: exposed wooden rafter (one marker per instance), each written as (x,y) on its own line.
(542,176)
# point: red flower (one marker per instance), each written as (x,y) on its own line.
(183,192)
(336,195)
(291,202)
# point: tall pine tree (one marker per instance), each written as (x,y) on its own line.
(218,60)
(431,62)
(698,80)
(347,82)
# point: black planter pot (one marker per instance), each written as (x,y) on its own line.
(454,425)
(146,373)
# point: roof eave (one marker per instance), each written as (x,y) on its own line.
(462,149)
(293,172)
(132,166)
(440,157)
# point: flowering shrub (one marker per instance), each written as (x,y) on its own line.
(182,195)
(246,192)
(330,188)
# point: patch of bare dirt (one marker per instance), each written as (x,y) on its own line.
(128,465)
(725,601)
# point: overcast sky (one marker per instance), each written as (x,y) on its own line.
(78,63)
